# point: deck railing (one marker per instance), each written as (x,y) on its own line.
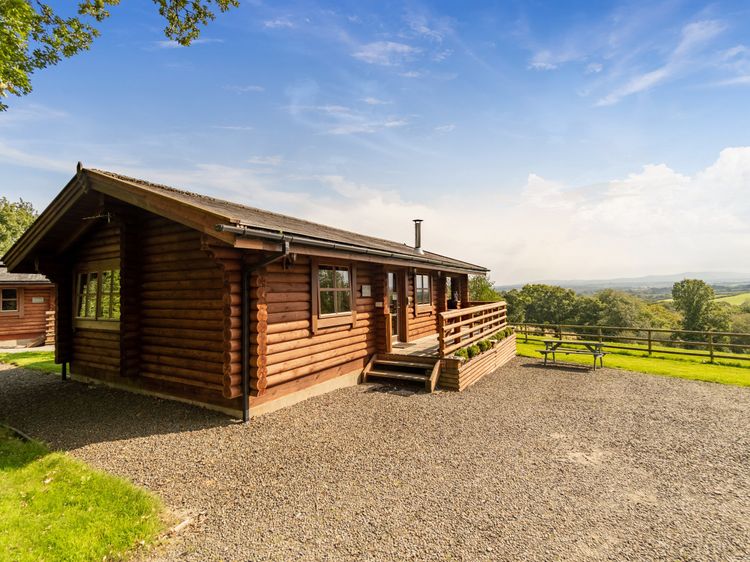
(709,344)
(464,326)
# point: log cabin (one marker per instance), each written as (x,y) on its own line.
(27,308)
(180,295)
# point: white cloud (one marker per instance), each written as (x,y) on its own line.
(386,53)
(279,23)
(594,68)
(445,128)
(245,89)
(694,37)
(434,29)
(266,160)
(411,74)
(375,101)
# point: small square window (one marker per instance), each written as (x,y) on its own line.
(9,300)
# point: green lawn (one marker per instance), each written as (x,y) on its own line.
(736,300)
(683,367)
(39,360)
(53,507)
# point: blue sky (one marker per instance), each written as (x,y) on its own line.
(530,136)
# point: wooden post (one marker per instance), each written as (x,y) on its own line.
(441,335)
(711,346)
(649,341)
(600,336)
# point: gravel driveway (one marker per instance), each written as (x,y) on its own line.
(529,463)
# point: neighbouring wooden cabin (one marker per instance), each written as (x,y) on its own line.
(177,294)
(27,309)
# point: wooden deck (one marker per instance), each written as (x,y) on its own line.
(422,347)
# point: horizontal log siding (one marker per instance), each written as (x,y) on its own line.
(183,303)
(424,322)
(96,353)
(457,375)
(30,321)
(295,357)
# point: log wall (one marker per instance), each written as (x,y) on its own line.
(30,321)
(184,300)
(95,352)
(297,358)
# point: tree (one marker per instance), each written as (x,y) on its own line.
(482,289)
(549,304)
(15,218)
(34,36)
(516,302)
(693,298)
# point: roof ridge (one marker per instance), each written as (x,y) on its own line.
(249,207)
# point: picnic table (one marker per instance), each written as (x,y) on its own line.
(556,346)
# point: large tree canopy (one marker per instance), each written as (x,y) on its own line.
(34,36)
(693,298)
(15,218)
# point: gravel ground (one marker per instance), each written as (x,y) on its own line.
(529,463)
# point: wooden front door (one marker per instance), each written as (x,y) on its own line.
(394,305)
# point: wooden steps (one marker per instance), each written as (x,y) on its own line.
(401,368)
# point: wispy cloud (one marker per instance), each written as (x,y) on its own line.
(694,37)
(266,160)
(428,26)
(335,119)
(245,89)
(375,101)
(445,128)
(233,127)
(386,53)
(279,23)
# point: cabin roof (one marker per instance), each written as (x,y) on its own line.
(208,213)
(7,278)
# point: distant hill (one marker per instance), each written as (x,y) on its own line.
(647,281)
(651,287)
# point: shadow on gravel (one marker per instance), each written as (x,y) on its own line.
(570,368)
(68,415)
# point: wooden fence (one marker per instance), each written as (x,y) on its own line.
(709,344)
(464,326)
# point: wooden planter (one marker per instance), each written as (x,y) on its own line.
(458,375)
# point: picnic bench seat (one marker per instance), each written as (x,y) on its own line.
(590,348)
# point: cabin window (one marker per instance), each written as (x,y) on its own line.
(334,289)
(334,293)
(422,289)
(9,300)
(98,296)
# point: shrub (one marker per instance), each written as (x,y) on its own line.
(473,351)
(484,345)
(462,353)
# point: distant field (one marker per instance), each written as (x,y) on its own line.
(735,300)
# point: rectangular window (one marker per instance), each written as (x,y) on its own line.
(422,289)
(98,296)
(9,300)
(334,290)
